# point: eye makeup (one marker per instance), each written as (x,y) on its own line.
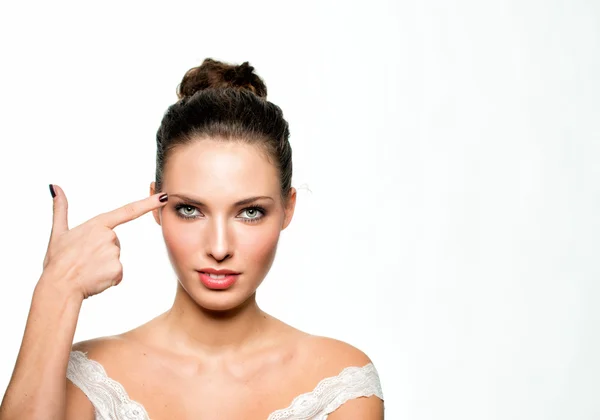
(249,210)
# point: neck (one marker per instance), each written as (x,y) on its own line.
(189,328)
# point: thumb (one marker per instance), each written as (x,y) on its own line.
(60,221)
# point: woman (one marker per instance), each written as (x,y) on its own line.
(222,195)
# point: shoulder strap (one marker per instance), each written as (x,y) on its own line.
(332,392)
(108,397)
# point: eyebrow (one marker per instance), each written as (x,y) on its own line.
(238,203)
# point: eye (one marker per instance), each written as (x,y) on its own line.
(253,214)
(186,211)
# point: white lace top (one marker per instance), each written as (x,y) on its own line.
(111,401)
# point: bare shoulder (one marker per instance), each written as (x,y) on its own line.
(330,356)
(101,350)
(116,354)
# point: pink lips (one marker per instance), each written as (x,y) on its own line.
(218,284)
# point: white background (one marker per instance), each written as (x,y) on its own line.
(448,159)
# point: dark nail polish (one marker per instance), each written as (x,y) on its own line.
(163,198)
(52,191)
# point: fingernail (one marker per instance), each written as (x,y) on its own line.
(52,190)
(163,198)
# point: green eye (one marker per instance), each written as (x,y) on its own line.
(253,214)
(188,211)
(188,208)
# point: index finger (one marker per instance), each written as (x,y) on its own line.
(132,210)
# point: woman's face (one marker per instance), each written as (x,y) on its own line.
(205,225)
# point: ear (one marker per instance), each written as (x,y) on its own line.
(289,208)
(155,212)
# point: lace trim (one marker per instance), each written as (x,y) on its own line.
(111,401)
(108,397)
(330,393)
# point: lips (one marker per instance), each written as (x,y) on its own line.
(218,279)
(216,276)
(215,271)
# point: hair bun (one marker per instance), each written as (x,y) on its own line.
(216,74)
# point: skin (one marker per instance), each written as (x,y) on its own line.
(216,354)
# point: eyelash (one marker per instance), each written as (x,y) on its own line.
(254,220)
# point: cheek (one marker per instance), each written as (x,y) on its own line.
(258,246)
(180,239)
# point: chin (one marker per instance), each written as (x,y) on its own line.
(218,304)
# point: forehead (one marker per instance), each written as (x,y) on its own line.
(227,169)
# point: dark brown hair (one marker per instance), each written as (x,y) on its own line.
(225,102)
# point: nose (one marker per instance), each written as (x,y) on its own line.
(219,243)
